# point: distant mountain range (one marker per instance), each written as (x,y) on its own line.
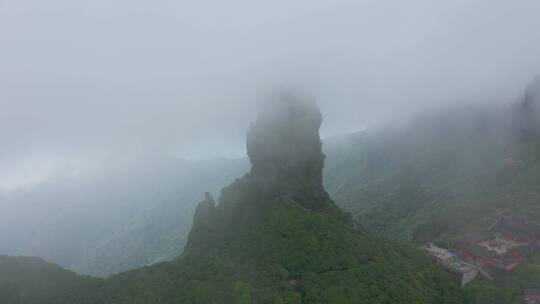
(132,216)
(445,177)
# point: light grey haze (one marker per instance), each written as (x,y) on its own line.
(83,82)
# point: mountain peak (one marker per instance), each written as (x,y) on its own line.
(284,148)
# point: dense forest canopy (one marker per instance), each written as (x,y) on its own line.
(274,237)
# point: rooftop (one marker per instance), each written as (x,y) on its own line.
(437,252)
(458,265)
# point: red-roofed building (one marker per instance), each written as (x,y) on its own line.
(472,252)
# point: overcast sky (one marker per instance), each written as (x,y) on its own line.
(81,80)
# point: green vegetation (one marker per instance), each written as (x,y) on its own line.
(25,280)
(506,287)
(274,238)
(436,181)
(250,251)
(440,179)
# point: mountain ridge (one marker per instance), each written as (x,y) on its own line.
(282,242)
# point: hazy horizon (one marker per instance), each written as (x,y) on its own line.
(86,81)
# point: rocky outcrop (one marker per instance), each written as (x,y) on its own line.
(204,210)
(284,148)
(530,115)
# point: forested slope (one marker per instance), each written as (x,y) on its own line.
(277,237)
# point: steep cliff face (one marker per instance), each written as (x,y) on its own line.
(275,237)
(284,148)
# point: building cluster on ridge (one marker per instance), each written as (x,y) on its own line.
(506,244)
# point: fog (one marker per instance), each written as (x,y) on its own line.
(86,82)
